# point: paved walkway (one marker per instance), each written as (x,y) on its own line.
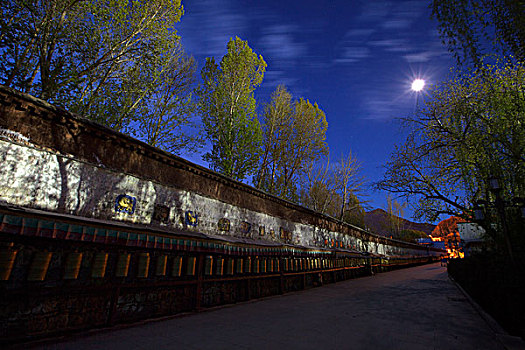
(416,308)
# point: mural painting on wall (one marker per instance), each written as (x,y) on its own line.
(161,213)
(224,225)
(191,218)
(261,230)
(285,235)
(245,227)
(272,233)
(125,204)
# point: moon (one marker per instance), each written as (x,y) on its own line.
(418,84)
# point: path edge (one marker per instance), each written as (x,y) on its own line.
(508,341)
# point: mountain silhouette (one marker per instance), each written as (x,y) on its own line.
(377,221)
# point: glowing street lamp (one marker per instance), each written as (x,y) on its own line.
(482,208)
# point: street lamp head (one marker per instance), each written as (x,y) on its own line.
(478,214)
(478,210)
(494,184)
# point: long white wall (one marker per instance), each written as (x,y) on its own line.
(42,179)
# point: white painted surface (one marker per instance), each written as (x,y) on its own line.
(41,179)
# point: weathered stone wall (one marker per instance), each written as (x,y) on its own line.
(60,162)
(41,179)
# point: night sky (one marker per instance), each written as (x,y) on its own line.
(356,59)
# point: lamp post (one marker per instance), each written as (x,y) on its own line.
(499,204)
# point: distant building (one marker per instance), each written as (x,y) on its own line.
(432,242)
(471,237)
(470,231)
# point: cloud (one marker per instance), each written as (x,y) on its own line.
(435,50)
(372,11)
(418,57)
(353,54)
(385,19)
(282,51)
(403,14)
(360,33)
(353,47)
(280,45)
(208,25)
(272,78)
(391,45)
(397,24)
(376,108)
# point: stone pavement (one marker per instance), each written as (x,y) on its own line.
(416,308)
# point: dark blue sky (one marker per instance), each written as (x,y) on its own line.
(356,59)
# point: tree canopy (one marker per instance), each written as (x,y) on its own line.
(228,110)
(294,135)
(333,190)
(115,62)
(471,129)
(474,28)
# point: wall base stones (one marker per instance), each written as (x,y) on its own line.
(121,281)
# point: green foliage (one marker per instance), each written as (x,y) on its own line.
(409,235)
(472,28)
(277,121)
(228,110)
(472,128)
(294,136)
(164,113)
(116,62)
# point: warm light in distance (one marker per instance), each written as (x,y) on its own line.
(418,84)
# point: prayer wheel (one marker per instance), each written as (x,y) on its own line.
(39,266)
(7,260)
(190,268)
(161,265)
(208,265)
(176,269)
(73,263)
(143,266)
(123,265)
(100,263)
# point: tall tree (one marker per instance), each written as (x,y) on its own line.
(395,212)
(318,188)
(228,110)
(355,212)
(294,137)
(348,182)
(169,107)
(332,190)
(114,62)
(471,129)
(277,122)
(472,28)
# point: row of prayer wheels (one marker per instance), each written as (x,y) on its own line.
(213,265)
